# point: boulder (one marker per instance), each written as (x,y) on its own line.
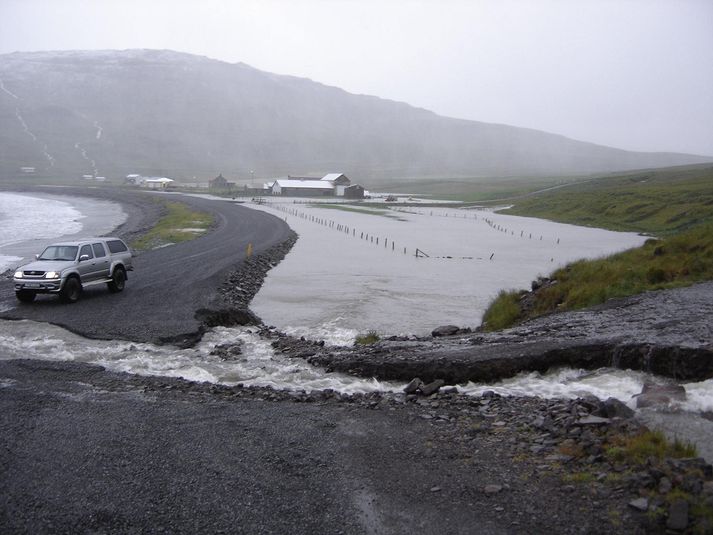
(445,330)
(592,420)
(413,386)
(659,394)
(431,388)
(640,504)
(613,408)
(492,489)
(678,515)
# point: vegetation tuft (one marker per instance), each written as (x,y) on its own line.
(504,311)
(369,338)
(681,212)
(641,447)
(178,224)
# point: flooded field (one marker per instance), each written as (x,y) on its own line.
(356,269)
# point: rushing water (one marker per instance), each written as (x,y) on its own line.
(256,364)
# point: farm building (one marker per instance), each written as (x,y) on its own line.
(151,182)
(220,183)
(331,185)
(290,187)
(157,182)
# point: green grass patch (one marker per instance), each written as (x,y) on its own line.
(648,444)
(474,189)
(658,201)
(676,261)
(371,337)
(504,311)
(580,477)
(675,204)
(178,224)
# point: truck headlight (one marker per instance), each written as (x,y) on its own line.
(18,274)
(52,275)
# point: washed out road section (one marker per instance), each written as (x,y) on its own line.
(168,285)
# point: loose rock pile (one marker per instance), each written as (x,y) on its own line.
(244,283)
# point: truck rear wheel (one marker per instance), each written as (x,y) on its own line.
(118,280)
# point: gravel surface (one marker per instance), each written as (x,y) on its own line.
(89,451)
(168,285)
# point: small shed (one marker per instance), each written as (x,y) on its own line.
(220,183)
(354,192)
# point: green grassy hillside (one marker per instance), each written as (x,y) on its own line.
(659,201)
(675,204)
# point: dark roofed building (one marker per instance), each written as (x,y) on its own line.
(220,182)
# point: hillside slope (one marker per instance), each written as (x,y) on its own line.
(163,112)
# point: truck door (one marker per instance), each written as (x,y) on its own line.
(102,260)
(86,266)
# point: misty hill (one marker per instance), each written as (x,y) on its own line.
(168,113)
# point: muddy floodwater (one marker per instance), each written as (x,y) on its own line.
(355,271)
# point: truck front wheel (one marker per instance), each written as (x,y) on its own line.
(71,290)
(25,296)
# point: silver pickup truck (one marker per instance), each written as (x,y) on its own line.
(68,267)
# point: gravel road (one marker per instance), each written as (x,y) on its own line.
(168,285)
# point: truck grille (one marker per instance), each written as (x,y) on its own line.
(33,273)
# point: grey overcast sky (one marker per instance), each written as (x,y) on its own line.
(634,74)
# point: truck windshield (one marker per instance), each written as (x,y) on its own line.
(59,252)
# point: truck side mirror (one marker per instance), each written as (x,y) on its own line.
(84,257)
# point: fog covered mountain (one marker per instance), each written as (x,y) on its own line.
(166,113)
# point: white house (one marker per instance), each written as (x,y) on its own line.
(331,185)
(157,182)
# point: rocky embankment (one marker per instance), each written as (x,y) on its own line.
(240,286)
(667,332)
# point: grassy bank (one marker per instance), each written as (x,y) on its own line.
(178,224)
(660,201)
(675,204)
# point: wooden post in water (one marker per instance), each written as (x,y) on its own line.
(249,250)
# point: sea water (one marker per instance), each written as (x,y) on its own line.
(28,222)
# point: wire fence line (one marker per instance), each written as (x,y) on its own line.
(387,243)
